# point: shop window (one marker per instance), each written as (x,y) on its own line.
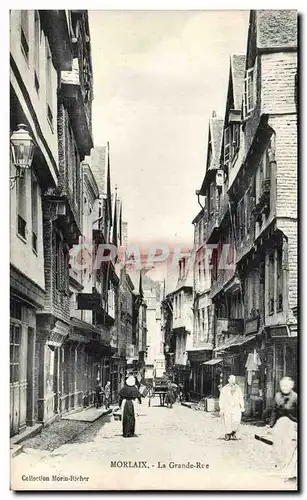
(15,341)
(49,364)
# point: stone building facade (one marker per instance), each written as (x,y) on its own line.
(254,282)
(36,61)
(65,322)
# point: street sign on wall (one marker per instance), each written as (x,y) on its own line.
(88,301)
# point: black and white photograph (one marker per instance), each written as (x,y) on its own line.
(153,211)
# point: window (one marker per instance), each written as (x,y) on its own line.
(279,281)
(22,207)
(227,145)
(59,262)
(208,322)
(15,310)
(199,274)
(34,192)
(37,31)
(264,168)
(24,32)
(249,92)
(271,283)
(211,201)
(203,322)
(241,219)
(209,154)
(235,137)
(205,218)
(15,340)
(248,210)
(49,84)
(76,176)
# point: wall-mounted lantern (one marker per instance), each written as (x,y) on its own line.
(22,148)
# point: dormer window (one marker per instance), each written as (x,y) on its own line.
(231,142)
(249,101)
(227,145)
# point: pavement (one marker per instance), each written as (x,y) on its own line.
(88,415)
(175,449)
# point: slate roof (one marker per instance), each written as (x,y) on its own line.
(216,133)
(237,70)
(276,28)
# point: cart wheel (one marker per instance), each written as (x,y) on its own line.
(227,437)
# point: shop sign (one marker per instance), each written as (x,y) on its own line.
(251,326)
(88,301)
(279,331)
(221,325)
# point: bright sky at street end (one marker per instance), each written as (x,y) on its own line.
(158,75)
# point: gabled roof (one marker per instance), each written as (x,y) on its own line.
(215,136)
(269,30)
(237,69)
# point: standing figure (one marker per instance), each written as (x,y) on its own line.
(284,424)
(98,394)
(231,407)
(107,394)
(150,394)
(170,397)
(127,395)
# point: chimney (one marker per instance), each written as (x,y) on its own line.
(213,114)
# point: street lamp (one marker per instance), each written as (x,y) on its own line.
(22,148)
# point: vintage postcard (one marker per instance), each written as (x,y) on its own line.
(153,250)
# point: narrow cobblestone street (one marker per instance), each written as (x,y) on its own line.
(164,436)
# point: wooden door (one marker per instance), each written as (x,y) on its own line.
(15,341)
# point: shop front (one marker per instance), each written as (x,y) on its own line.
(51,334)
(281,359)
(243,356)
(200,375)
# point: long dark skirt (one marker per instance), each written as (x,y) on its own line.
(128,419)
(169,398)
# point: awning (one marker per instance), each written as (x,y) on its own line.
(235,341)
(213,361)
(205,347)
(130,361)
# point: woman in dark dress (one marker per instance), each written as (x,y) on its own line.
(127,395)
(170,398)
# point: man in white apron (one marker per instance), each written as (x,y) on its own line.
(231,407)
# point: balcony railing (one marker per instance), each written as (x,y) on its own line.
(211,226)
(223,276)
